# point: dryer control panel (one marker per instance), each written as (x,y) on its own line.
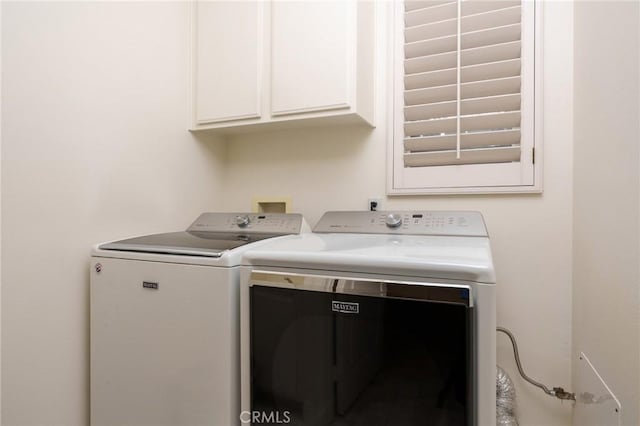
(272,223)
(453,223)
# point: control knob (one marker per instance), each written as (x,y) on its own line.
(393,220)
(242,221)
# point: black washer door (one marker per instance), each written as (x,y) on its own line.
(320,359)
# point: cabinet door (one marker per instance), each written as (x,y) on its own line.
(229,57)
(311,55)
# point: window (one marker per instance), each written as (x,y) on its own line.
(465,97)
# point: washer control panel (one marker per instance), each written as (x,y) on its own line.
(273,223)
(454,223)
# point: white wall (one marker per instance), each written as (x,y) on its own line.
(339,168)
(607,196)
(94,147)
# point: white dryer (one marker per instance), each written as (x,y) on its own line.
(165,321)
(373,319)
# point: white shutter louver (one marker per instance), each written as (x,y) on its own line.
(462,82)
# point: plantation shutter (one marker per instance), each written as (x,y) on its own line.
(462,82)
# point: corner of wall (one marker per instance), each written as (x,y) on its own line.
(215,148)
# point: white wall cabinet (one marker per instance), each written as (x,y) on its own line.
(282,63)
(228,52)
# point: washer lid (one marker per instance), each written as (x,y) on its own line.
(193,243)
(212,234)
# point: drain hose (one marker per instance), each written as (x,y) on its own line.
(505,400)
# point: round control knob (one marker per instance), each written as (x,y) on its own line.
(393,220)
(242,221)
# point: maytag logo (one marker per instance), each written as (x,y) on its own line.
(345,307)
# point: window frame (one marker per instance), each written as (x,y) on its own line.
(493,181)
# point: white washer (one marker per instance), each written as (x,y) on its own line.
(165,321)
(374,318)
